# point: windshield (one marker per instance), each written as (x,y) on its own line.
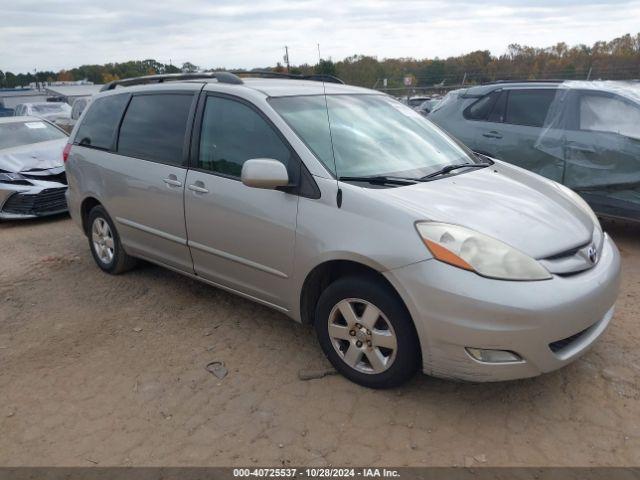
(50,108)
(371,135)
(15,134)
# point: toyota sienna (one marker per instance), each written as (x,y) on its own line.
(343,208)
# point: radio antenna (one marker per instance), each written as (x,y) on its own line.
(333,153)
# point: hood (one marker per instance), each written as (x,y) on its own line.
(34,156)
(524,210)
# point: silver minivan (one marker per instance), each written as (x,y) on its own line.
(341,207)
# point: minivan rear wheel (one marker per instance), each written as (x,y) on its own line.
(367,333)
(105,245)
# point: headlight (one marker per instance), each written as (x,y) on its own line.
(15,178)
(470,250)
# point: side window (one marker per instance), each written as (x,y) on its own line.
(529,107)
(101,121)
(154,127)
(233,133)
(609,114)
(499,109)
(481,108)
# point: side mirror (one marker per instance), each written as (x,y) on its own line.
(264,173)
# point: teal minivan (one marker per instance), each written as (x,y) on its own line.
(585,135)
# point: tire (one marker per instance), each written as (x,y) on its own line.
(104,243)
(366,315)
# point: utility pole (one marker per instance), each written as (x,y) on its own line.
(589,74)
(286,57)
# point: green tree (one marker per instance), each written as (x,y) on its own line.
(188,67)
(325,67)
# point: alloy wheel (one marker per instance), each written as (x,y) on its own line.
(102,239)
(362,336)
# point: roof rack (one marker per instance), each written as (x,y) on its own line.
(542,80)
(318,77)
(222,77)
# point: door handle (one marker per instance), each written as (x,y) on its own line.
(194,187)
(172,182)
(492,134)
(580,147)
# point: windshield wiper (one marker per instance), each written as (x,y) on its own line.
(451,168)
(393,180)
(381,180)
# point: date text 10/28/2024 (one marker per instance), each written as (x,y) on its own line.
(316,472)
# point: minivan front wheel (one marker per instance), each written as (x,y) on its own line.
(105,245)
(367,333)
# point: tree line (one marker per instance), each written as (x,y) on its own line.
(618,59)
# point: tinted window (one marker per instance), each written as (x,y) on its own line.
(101,121)
(609,114)
(481,108)
(529,107)
(498,110)
(233,133)
(154,127)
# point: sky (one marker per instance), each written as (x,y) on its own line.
(62,34)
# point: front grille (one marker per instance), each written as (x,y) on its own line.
(48,201)
(567,253)
(565,342)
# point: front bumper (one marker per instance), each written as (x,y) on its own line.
(548,323)
(21,201)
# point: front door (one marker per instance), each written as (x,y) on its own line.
(240,237)
(516,131)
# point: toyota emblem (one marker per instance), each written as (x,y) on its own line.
(593,254)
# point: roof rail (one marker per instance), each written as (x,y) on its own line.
(542,80)
(318,77)
(222,77)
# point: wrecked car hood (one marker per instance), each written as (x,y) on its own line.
(35,156)
(510,204)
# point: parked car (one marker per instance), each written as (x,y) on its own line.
(4,111)
(404,249)
(32,178)
(585,135)
(77,107)
(50,111)
(425,107)
(416,101)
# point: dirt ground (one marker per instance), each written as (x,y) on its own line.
(104,370)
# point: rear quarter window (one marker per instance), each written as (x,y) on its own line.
(99,125)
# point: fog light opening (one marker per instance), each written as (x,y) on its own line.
(493,356)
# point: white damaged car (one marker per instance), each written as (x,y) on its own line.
(32,177)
